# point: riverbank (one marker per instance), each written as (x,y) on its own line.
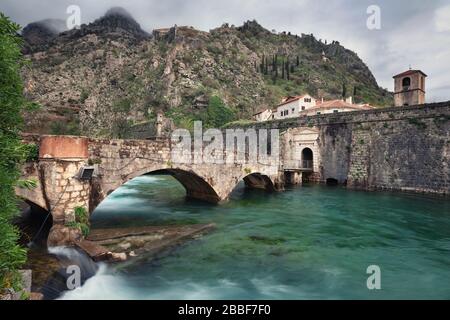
(110,246)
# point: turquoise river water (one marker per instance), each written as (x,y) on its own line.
(309,242)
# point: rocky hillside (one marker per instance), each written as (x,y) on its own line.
(110,75)
(38,34)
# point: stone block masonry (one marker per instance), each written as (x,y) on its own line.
(408,155)
(398,148)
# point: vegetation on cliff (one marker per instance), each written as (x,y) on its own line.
(110,74)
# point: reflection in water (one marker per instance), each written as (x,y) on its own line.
(311,242)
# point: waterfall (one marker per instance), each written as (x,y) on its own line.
(71,258)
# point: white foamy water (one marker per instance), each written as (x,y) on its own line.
(103,286)
(65,252)
(106,285)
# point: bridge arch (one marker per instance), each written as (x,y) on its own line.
(34,222)
(196,186)
(256,180)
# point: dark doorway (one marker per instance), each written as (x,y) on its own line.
(332,182)
(307,158)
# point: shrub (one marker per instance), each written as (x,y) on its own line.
(69,128)
(32,152)
(217,113)
(12,103)
(81,221)
(122,105)
(83,96)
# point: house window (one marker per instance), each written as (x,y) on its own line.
(307,99)
(303,108)
(293,110)
(318,112)
(335,111)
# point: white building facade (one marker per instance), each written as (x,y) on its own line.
(292,106)
(263,115)
(306,105)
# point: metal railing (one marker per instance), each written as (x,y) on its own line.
(298,165)
(307,164)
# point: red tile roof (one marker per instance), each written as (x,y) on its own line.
(291,99)
(409,72)
(261,110)
(332,104)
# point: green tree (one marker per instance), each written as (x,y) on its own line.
(217,113)
(262,64)
(13,152)
(288,75)
(275,64)
(266,70)
(344,91)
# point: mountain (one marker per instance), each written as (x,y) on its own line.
(37,34)
(105,77)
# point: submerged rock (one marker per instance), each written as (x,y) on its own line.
(118,245)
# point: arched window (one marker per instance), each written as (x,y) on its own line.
(406,83)
(307,158)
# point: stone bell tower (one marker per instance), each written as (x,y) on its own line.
(409,88)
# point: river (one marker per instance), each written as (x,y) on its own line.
(309,242)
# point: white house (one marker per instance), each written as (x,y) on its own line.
(263,114)
(292,106)
(306,105)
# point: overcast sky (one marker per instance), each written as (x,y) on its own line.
(413,32)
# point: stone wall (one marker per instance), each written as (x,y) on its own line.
(398,148)
(409,155)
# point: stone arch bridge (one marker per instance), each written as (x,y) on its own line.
(114,162)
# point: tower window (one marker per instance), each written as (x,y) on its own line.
(406,83)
